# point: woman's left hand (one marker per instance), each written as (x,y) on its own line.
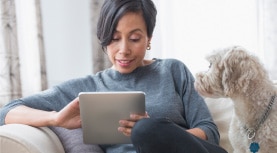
(127,125)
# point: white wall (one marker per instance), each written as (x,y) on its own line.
(189,30)
(186,30)
(66,29)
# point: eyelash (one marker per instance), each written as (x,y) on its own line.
(133,40)
(115,39)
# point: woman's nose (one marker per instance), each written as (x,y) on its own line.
(124,48)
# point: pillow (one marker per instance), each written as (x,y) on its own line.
(222,111)
(72,141)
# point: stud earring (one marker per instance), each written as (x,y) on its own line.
(149,46)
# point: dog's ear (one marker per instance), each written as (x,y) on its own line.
(239,69)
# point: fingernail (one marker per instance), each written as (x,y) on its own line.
(120,129)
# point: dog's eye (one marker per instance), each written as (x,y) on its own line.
(210,65)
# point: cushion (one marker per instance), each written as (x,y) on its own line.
(222,111)
(72,141)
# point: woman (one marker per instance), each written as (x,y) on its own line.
(177,120)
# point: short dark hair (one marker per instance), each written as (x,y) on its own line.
(113,10)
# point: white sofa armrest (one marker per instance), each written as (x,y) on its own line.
(27,139)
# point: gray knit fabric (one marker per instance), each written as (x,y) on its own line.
(72,141)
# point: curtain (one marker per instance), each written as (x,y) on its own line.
(268,17)
(10,87)
(100,60)
(22,61)
(42,63)
(193,29)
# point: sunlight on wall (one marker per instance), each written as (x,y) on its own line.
(189,30)
(67,36)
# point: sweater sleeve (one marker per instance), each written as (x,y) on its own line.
(53,99)
(45,100)
(196,112)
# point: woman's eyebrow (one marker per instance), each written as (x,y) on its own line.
(136,30)
(132,31)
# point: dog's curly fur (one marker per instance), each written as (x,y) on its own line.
(236,74)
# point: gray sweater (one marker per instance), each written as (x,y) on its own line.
(168,85)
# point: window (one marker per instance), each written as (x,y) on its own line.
(189,30)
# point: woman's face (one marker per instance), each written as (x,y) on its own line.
(128,46)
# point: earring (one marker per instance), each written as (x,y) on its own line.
(149,46)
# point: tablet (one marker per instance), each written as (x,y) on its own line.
(101,111)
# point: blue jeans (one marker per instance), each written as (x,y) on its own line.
(163,136)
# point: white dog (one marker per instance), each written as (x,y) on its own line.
(236,74)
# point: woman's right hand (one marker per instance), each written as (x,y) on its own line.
(69,116)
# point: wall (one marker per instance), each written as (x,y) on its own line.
(66,28)
(191,29)
(201,27)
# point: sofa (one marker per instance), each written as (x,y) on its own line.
(16,138)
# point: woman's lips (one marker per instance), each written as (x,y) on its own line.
(124,63)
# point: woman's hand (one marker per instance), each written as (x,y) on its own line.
(69,116)
(127,125)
